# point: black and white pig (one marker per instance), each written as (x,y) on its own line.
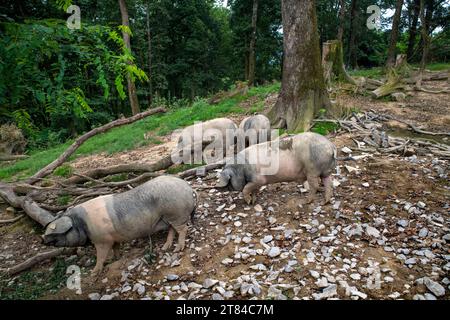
(302,157)
(163,203)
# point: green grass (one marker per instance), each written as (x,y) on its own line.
(367,73)
(131,136)
(32,285)
(438,66)
(378,71)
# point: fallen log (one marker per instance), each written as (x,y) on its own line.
(13,157)
(78,142)
(161,164)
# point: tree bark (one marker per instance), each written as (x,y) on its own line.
(149,40)
(413,29)
(340,33)
(303,92)
(394,35)
(426,43)
(352,60)
(132,95)
(251,58)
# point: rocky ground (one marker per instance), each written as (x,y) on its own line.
(386,234)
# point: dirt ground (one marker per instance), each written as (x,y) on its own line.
(385,236)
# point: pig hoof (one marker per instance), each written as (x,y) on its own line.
(165,247)
(95,274)
(179,248)
(248,199)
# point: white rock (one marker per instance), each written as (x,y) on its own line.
(434,287)
(227,261)
(372,232)
(322,282)
(94,296)
(267,239)
(355,276)
(314,274)
(346,150)
(172,277)
(208,283)
(258,208)
(274,252)
(365,184)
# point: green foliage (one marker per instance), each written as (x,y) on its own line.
(63,200)
(63,171)
(56,80)
(31,285)
(325,128)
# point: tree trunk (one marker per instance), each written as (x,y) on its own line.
(303,91)
(426,43)
(340,33)
(149,40)
(413,29)
(126,39)
(333,63)
(251,58)
(394,35)
(352,60)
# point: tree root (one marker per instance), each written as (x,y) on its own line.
(11,220)
(42,256)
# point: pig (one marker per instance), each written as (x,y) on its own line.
(260,125)
(302,157)
(205,131)
(163,203)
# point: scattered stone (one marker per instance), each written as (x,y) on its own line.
(208,283)
(274,252)
(434,287)
(403,223)
(94,296)
(172,277)
(372,232)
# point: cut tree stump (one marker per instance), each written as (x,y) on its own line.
(333,63)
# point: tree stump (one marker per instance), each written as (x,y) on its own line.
(333,63)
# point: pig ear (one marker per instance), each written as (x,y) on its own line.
(59,226)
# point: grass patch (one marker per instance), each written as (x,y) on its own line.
(31,285)
(131,136)
(324,128)
(367,73)
(63,200)
(63,171)
(182,167)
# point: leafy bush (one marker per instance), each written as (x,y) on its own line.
(62,80)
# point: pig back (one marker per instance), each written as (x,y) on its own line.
(136,213)
(315,153)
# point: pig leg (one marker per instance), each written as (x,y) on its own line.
(116,252)
(102,253)
(313,186)
(169,240)
(249,192)
(327,182)
(181,230)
